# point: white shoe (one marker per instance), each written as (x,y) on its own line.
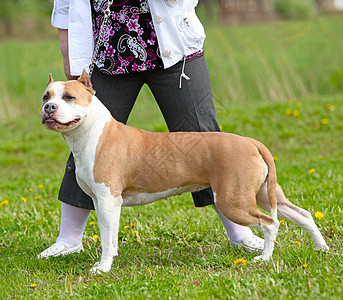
(58,249)
(251,243)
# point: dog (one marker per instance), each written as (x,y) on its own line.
(119,165)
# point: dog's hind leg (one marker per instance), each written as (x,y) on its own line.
(289,211)
(270,233)
(244,212)
(108,213)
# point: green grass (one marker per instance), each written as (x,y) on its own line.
(275,62)
(171,249)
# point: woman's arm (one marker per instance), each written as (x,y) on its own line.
(63,37)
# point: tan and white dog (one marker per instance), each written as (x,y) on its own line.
(119,165)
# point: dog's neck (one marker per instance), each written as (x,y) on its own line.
(85,137)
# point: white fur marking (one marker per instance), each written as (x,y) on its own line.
(270,233)
(146,198)
(273,213)
(265,170)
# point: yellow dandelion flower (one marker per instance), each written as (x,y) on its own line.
(240,262)
(40,186)
(297,243)
(319,215)
(296,113)
(92,223)
(38,197)
(275,158)
(3,203)
(298,104)
(133,224)
(330,107)
(31,190)
(220,127)
(304,266)
(33,285)
(288,112)
(282,221)
(95,236)
(311,171)
(324,122)
(23,199)
(126,227)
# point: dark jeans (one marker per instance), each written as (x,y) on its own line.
(189,108)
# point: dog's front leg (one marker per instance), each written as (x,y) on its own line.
(108,213)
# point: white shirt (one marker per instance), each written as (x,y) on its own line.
(178,29)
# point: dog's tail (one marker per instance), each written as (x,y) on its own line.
(271,177)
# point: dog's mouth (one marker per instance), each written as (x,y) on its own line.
(52,123)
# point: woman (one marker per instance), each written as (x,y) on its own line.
(153,42)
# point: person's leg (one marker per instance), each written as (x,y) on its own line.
(238,237)
(191,108)
(118,93)
(73,223)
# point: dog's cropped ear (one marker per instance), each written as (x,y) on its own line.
(51,80)
(84,78)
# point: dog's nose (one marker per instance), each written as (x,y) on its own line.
(50,107)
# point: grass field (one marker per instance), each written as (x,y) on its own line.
(277,83)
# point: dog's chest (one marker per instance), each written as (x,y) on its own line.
(84,176)
(84,165)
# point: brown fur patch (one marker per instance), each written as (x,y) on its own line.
(82,94)
(146,171)
(51,93)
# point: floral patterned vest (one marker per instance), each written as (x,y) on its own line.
(129,41)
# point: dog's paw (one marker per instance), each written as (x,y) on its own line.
(98,268)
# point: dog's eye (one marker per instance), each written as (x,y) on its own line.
(68,97)
(45,97)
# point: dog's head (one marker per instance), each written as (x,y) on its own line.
(66,104)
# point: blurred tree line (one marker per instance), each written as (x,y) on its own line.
(31,18)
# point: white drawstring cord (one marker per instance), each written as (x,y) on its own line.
(183,75)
